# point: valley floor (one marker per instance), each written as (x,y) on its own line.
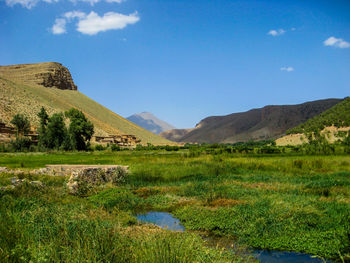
(290,203)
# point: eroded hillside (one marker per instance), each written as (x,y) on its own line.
(26,88)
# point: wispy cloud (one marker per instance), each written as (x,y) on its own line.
(31,3)
(59,27)
(74,14)
(336,42)
(277,32)
(27,3)
(92,23)
(288,69)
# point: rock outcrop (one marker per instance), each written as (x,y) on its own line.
(82,180)
(50,75)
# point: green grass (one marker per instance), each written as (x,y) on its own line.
(293,203)
(48,225)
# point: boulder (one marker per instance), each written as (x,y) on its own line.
(16,182)
(3,169)
(37,184)
(82,180)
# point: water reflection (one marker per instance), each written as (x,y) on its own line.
(162,219)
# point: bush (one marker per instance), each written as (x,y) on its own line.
(99,147)
(115,148)
(21,144)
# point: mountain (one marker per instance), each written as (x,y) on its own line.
(26,88)
(175,135)
(150,122)
(337,116)
(264,123)
(333,123)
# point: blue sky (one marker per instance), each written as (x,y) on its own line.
(185,60)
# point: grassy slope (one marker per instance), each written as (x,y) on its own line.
(16,97)
(290,203)
(338,116)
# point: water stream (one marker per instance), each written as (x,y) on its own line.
(167,221)
(162,219)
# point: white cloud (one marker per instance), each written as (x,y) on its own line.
(59,27)
(288,69)
(27,3)
(115,1)
(91,24)
(275,33)
(74,14)
(336,42)
(31,3)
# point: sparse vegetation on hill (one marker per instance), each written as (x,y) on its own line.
(265,123)
(338,116)
(27,97)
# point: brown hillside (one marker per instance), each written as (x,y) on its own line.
(50,75)
(264,123)
(175,135)
(26,88)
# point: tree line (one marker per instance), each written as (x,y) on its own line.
(54,134)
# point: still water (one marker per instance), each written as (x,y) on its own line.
(162,219)
(167,221)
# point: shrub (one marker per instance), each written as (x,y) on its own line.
(99,147)
(115,148)
(21,144)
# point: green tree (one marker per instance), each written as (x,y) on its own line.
(44,118)
(21,123)
(56,131)
(80,129)
(346,143)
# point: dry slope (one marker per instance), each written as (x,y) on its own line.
(264,123)
(26,88)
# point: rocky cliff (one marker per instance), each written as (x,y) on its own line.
(50,75)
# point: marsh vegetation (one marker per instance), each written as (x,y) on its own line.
(276,202)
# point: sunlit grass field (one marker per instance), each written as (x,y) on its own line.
(291,203)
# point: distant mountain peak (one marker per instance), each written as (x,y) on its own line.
(150,122)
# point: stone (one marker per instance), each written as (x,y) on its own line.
(38,184)
(82,180)
(9,187)
(3,169)
(40,171)
(16,182)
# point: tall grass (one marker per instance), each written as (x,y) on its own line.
(295,203)
(48,225)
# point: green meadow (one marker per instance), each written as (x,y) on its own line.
(275,202)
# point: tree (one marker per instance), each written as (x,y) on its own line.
(80,129)
(21,123)
(346,143)
(44,118)
(56,131)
